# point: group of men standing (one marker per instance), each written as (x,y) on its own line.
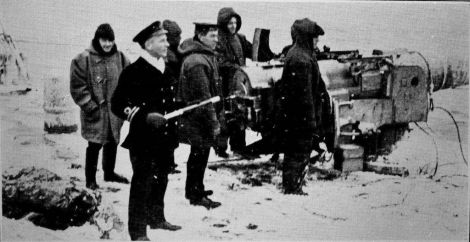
(167,76)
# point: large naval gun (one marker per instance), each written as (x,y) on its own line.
(372,99)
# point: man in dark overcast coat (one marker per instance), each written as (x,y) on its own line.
(298,93)
(199,80)
(145,93)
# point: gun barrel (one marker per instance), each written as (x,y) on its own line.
(334,55)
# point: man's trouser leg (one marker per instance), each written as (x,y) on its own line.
(201,169)
(91,161)
(172,161)
(221,143)
(159,184)
(140,191)
(196,167)
(109,158)
(237,139)
(109,153)
(293,171)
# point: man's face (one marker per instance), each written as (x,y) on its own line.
(315,42)
(157,46)
(106,45)
(210,39)
(232,25)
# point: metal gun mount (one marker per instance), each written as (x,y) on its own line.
(373,98)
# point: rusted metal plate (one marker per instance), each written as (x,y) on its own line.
(372,81)
(376,111)
(409,94)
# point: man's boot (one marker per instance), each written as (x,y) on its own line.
(173,169)
(205,202)
(140,238)
(221,145)
(220,152)
(91,162)
(173,165)
(294,172)
(157,219)
(275,157)
(156,214)
(165,225)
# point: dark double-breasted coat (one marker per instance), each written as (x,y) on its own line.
(143,89)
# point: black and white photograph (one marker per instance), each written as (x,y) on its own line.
(154,120)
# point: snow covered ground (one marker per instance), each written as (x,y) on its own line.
(361,205)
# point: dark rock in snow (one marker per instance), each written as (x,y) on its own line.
(59,202)
(252,226)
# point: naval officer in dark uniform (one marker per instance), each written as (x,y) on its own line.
(145,93)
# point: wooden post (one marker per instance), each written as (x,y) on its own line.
(60,114)
(13,70)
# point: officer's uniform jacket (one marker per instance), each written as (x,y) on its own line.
(143,89)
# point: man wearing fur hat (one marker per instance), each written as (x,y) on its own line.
(298,92)
(234,49)
(145,93)
(93,77)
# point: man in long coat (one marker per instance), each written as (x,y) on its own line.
(298,94)
(93,77)
(145,93)
(199,80)
(323,111)
(234,48)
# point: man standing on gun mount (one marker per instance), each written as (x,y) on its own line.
(199,80)
(298,91)
(146,92)
(233,48)
(93,77)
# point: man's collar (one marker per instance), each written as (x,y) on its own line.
(158,63)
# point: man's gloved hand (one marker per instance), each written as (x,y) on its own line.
(91,111)
(217,131)
(156,120)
